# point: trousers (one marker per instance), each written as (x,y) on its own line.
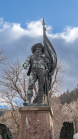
(34,75)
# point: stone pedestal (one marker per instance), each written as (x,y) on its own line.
(35,122)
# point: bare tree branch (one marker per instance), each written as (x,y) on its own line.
(2,58)
(15,84)
(57,78)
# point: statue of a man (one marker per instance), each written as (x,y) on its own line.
(39,67)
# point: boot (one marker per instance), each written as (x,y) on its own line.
(28,101)
(39,98)
(36,99)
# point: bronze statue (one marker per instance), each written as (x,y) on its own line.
(42,65)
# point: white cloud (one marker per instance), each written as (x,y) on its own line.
(69,35)
(15,31)
(34,29)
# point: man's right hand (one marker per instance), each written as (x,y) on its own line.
(24,66)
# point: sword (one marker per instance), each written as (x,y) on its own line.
(46,80)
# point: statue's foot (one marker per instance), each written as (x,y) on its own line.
(38,100)
(35,100)
(26,103)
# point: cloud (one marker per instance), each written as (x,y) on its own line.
(17,42)
(14,31)
(70,34)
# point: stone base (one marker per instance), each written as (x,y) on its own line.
(35,122)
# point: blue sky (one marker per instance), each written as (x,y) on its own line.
(21,27)
(57,13)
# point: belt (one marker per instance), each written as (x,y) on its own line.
(38,66)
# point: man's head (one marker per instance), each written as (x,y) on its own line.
(37,48)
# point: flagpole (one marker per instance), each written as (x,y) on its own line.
(46,81)
(44,29)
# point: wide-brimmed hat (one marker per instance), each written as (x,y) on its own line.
(33,48)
